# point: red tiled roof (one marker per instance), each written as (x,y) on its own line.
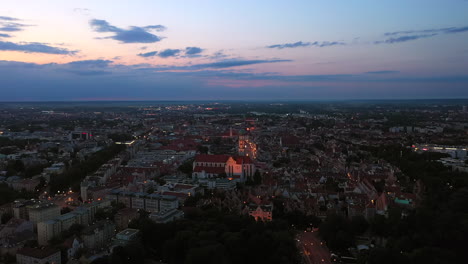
(242,160)
(213,170)
(211,158)
(181,145)
(36,252)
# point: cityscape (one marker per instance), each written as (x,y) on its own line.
(233,132)
(226,182)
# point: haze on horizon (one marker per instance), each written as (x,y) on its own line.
(230,50)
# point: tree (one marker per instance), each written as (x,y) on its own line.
(202,149)
(257,178)
(65,210)
(187,167)
(6,217)
(359,225)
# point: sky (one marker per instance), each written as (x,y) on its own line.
(84,50)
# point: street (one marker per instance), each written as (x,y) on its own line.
(315,251)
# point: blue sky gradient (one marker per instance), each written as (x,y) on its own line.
(206,49)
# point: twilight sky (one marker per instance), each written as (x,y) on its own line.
(244,49)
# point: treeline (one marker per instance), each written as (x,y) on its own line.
(209,236)
(340,232)
(20,143)
(8,195)
(78,170)
(437,231)
(120,137)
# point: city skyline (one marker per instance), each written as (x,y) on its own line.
(208,50)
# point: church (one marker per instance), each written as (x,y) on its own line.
(237,168)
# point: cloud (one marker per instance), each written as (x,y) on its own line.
(4,35)
(306,44)
(193,51)
(101,79)
(169,53)
(455,30)
(132,35)
(8,18)
(409,35)
(382,72)
(148,54)
(218,55)
(155,27)
(90,63)
(11,27)
(235,63)
(404,38)
(84,11)
(217,65)
(83,67)
(449,30)
(34,48)
(9,24)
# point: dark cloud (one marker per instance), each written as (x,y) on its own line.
(88,72)
(455,30)
(101,79)
(131,35)
(4,35)
(382,72)
(12,27)
(8,18)
(193,50)
(449,30)
(148,54)
(290,45)
(218,55)
(306,44)
(34,48)
(235,63)
(9,24)
(169,53)
(404,38)
(90,63)
(409,35)
(217,65)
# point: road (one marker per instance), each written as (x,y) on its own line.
(315,251)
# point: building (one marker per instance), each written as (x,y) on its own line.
(72,245)
(35,211)
(223,184)
(38,256)
(236,168)
(41,212)
(42,209)
(166,216)
(123,217)
(98,235)
(261,212)
(124,237)
(83,215)
(47,230)
(154,202)
(168,202)
(14,234)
